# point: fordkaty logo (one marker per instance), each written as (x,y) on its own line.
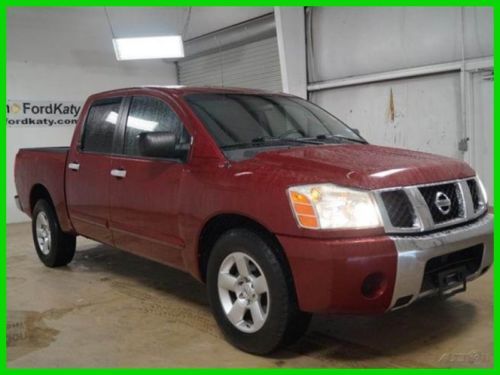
(442,202)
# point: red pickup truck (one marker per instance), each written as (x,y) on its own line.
(278,206)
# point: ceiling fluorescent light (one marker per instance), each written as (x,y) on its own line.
(153,47)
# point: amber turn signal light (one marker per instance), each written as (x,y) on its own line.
(303,210)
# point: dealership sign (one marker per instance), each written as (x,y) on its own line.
(29,113)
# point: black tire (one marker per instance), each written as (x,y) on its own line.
(62,245)
(285,323)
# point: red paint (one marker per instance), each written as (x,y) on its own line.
(329,274)
(160,209)
(87,194)
(145,221)
(46,169)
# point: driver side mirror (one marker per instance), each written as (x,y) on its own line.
(356,131)
(158,144)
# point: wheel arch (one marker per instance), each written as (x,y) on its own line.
(37,192)
(222,223)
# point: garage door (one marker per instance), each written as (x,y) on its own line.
(253,65)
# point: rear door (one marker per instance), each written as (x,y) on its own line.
(87,177)
(144,191)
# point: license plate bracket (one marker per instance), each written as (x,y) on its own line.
(452,281)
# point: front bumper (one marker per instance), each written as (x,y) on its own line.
(330,275)
(415,251)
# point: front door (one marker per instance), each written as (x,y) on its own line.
(144,191)
(87,177)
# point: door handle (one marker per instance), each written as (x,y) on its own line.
(120,173)
(74,166)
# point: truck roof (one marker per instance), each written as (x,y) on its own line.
(183,90)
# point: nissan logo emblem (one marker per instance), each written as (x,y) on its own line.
(443,203)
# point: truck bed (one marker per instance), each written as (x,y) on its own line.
(38,169)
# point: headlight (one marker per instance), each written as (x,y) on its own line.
(327,206)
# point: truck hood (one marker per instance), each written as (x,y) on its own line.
(362,166)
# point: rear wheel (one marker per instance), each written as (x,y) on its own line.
(54,247)
(251,293)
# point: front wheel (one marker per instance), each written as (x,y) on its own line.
(251,293)
(54,247)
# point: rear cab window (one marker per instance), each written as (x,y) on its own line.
(100,126)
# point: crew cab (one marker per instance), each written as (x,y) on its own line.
(277,205)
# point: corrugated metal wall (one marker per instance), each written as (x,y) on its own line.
(421,113)
(481,133)
(252,65)
(352,41)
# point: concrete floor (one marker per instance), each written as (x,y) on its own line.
(112,309)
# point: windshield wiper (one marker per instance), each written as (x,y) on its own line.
(269,141)
(338,136)
(285,140)
(256,142)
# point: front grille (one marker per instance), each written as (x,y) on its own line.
(422,208)
(469,258)
(452,192)
(474,192)
(399,208)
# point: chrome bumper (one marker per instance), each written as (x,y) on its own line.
(18,203)
(415,251)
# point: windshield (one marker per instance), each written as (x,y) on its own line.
(248,120)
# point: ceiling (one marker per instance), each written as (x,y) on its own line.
(134,21)
(82,35)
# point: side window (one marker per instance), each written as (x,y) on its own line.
(100,126)
(146,115)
